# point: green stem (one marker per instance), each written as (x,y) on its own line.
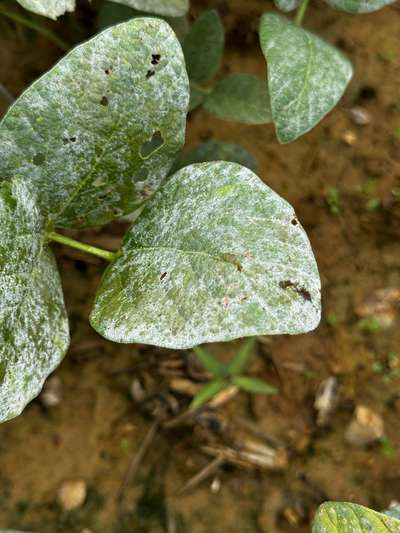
(301,12)
(17,17)
(88,248)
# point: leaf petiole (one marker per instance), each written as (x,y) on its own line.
(88,248)
(301,12)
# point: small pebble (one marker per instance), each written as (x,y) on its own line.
(348,137)
(51,394)
(360,116)
(72,494)
(365,428)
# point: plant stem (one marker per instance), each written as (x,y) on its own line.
(21,19)
(301,12)
(88,248)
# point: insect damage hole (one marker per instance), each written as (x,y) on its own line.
(152,145)
(301,291)
(104,101)
(155,59)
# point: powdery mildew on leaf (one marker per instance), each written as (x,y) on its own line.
(170,8)
(34,333)
(83,132)
(215,255)
(306,76)
(286,5)
(333,517)
(359,6)
(48,8)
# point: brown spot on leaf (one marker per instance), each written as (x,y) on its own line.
(104,101)
(301,291)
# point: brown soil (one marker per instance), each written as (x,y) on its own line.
(97,429)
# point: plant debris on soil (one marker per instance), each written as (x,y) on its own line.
(110,446)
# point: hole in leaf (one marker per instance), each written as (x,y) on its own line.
(104,101)
(70,140)
(39,159)
(108,71)
(149,147)
(301,291)
(155,59)
(294,222)
(150,73)
(163,275)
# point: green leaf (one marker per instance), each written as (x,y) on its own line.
(393,511)
(359,6)
(306,76)
(253,385)
(48,8)
(33,322)
(170,8)
(203,47)
(207,393)
(241,359)
(286,5)
(215,255)
(197,95)
(241,98)
(333,517)
(210,363)
(215,151)
(111,13)
(82,132)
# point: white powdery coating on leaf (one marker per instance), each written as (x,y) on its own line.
(359,6)
(78,131)
(286,5)
(34,333)
(306,76)
(338,517)
(48,8)
(169,8)
(215,255)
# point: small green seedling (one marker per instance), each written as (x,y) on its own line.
(225,376)
(213,255)
(335,517)
(333,201)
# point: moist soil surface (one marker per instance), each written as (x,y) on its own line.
(343,180)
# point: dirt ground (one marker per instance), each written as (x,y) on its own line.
(97,429)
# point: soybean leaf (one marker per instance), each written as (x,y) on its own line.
(241,359)
(215,151)
(48,8)
(111,13)
(207,393)
(253,385)
(286,5)
(197,95)
(203,46)
(170,8)
(359,6)
(306,76)
(394,511)
(214,255)
(240,97)
(33,322)
(210,363)
(333,517)
(98,133)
